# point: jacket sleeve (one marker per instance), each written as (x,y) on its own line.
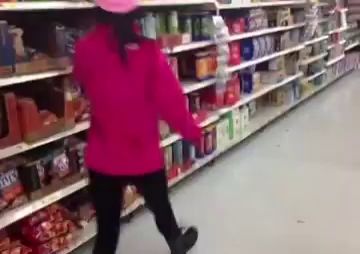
(170,100)
(78,69)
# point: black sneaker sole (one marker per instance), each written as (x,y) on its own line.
(187,240)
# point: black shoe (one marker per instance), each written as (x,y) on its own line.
(185,241)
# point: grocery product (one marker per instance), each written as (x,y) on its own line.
(49,230)
(234,53)
(200,149)
(11,189)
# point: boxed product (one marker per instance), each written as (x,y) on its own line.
(44,110)
(7,51)
(236,115)
(200,149)
(233,90)
(271,77)
(11,189)
(210,139)
(201,65)
(11,246)
(222,134)
(245,118)
(10,133)
(188,155)
(234,53)
(49,230)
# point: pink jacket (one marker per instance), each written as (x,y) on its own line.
(127,102)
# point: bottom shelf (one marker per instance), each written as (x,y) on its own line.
(268,115)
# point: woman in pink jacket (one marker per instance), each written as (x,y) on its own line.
(130,87)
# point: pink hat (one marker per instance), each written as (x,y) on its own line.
(117,6)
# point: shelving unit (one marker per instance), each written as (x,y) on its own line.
(247,64)
(258,121)
(256,124)
(335,60)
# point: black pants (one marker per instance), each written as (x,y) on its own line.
(107,195)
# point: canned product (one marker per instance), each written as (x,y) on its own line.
(168,157)
(206,26)
(214,138)
(196,28)
(173,22)
(149,26)
(200,151)
(208,141)
(202,65)
(178,153)
(194,102)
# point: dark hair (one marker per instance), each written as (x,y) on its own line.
(123,26)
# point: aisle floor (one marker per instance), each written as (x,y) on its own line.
(292,189)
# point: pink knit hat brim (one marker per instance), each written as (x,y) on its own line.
(117,6)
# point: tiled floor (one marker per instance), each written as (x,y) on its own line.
(292,189)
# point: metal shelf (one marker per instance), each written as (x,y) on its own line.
(294,3)
(264,31)
(257,123)
(247,64)
(313,59)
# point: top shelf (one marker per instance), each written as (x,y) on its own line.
(261,4)
(77,5)
(45,5)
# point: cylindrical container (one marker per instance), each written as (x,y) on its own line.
(234,53)
(247,82)
(214,138)
(247,49)
(202,65)
(173,22)
(186,26)
(160,24)
(174,65)
(208,141)
(168,157)
(196,28)
(194,102)
(178,153)
(200,151)
(149,26)
(206,26)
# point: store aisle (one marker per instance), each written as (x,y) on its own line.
(292,189)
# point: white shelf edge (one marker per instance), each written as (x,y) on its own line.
(335,60)
(23,147)
(352,45)
(74,5)
(90,231)
(155,3)
(169,140)
(266,89)
(264,31)
(191,86)
(46,5)
(260,4)
(338,30)
(82,126)
(321,38)
(333,45)
(309,78)
(188,46)
(25,210)
(17,79)
(249,63)
(313,59)
(18,213)
(322,20)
